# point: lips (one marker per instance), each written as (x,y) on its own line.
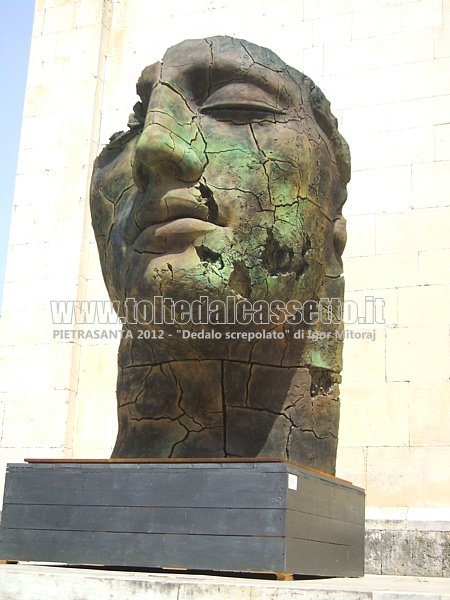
(172,234)
(176,220)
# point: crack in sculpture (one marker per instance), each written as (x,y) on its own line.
(228,186)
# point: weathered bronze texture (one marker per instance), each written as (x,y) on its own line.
(222,200)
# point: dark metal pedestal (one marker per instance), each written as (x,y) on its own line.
(219,515)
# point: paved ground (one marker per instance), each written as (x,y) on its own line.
(38,582)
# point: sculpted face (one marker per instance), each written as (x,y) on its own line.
(228,184)
(230,181)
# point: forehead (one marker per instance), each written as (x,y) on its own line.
(196,67)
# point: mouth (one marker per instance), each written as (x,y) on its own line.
(181,216)
(172,235)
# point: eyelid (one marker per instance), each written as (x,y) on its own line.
(240,106)
(246,97)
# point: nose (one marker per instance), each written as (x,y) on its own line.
(170,145)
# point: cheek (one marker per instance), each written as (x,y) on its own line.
(284,181)
(116,174)
(298,162)
(112,199)
(282,141)
(236,169)
(239,185)
(235,161)
(260,161)
(102,214)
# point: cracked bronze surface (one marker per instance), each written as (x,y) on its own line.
(229,183)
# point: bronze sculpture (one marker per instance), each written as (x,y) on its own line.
(218,218)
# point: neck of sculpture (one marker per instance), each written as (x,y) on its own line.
(199,407)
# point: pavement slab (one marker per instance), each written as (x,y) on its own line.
(38,582)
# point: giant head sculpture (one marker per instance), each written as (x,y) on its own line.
(218,219)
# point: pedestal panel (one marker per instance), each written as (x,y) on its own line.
(224,515)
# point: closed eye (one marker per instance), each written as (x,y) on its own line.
(240,112)
(241,103)
(247,106)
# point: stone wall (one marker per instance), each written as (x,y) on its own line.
(413,541)
(384,65)
(50,231)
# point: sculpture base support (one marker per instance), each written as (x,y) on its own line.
(210,515)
